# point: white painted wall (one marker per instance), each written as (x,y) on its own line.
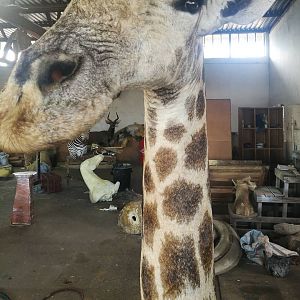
(130,108)
(4,74)
(245,82)
(285,58)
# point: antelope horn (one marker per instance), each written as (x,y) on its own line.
(117,117)
(108,119)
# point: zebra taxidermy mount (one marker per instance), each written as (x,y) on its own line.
(105,137)
(78,147)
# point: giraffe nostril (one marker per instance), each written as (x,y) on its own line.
(56,72)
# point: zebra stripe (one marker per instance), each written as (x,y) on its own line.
(78,147)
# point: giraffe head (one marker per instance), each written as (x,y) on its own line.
(66,81)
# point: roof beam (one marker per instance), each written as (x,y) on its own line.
(11,16)
(37,8)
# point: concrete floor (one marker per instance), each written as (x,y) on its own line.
(74,244)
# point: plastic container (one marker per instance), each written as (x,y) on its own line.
(3,159)
(122,172)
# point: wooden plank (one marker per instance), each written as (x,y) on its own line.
(292,179)
(236,167)
(271,220)
(235,162)
(284,210)
(267,192)
(289,200)
(286,189)
(217,190)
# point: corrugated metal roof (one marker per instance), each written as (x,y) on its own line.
(46,12)
(264,24)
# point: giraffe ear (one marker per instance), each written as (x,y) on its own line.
(244,11)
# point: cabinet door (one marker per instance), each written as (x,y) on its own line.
(219,129)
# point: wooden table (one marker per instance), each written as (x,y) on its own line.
(287,177)
(270,195)
(273,195)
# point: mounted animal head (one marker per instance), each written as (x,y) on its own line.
(112,124)
(64,83)
(245,183)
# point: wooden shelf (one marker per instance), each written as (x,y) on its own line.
(271,136)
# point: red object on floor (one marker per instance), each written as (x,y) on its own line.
(23,205)
(51,182)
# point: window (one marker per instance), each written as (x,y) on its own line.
(10,56)
(237,45)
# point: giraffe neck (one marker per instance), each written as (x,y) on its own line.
(177,245)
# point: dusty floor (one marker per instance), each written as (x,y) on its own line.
(74,244)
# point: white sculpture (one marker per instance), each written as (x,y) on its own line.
(100,190)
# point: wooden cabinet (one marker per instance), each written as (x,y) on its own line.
(219,129)
(261,134)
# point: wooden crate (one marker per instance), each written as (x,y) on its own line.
(51,182)
(267,196)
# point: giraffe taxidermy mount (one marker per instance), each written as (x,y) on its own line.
(64,83)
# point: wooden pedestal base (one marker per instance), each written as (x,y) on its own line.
(23,206)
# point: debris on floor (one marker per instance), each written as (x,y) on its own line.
(260,250)
(290,235)
(110,208)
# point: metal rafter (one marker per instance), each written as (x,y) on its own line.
(10,15)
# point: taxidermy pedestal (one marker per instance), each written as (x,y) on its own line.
(23,205)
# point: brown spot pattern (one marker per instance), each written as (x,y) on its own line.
(151,113)
(178,265)
(174,133)
(206,243)
(181,200)
(196,151)
(165,162)
(200,105)
(167,94)
(148,180)
(151,125)
(148,281)
(151,222)
(152,135)
(190,107)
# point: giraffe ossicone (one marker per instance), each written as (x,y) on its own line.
(64,83)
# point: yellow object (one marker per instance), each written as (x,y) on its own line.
(44,157)
(5,171)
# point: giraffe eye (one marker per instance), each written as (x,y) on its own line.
(192,6)
(188,5)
